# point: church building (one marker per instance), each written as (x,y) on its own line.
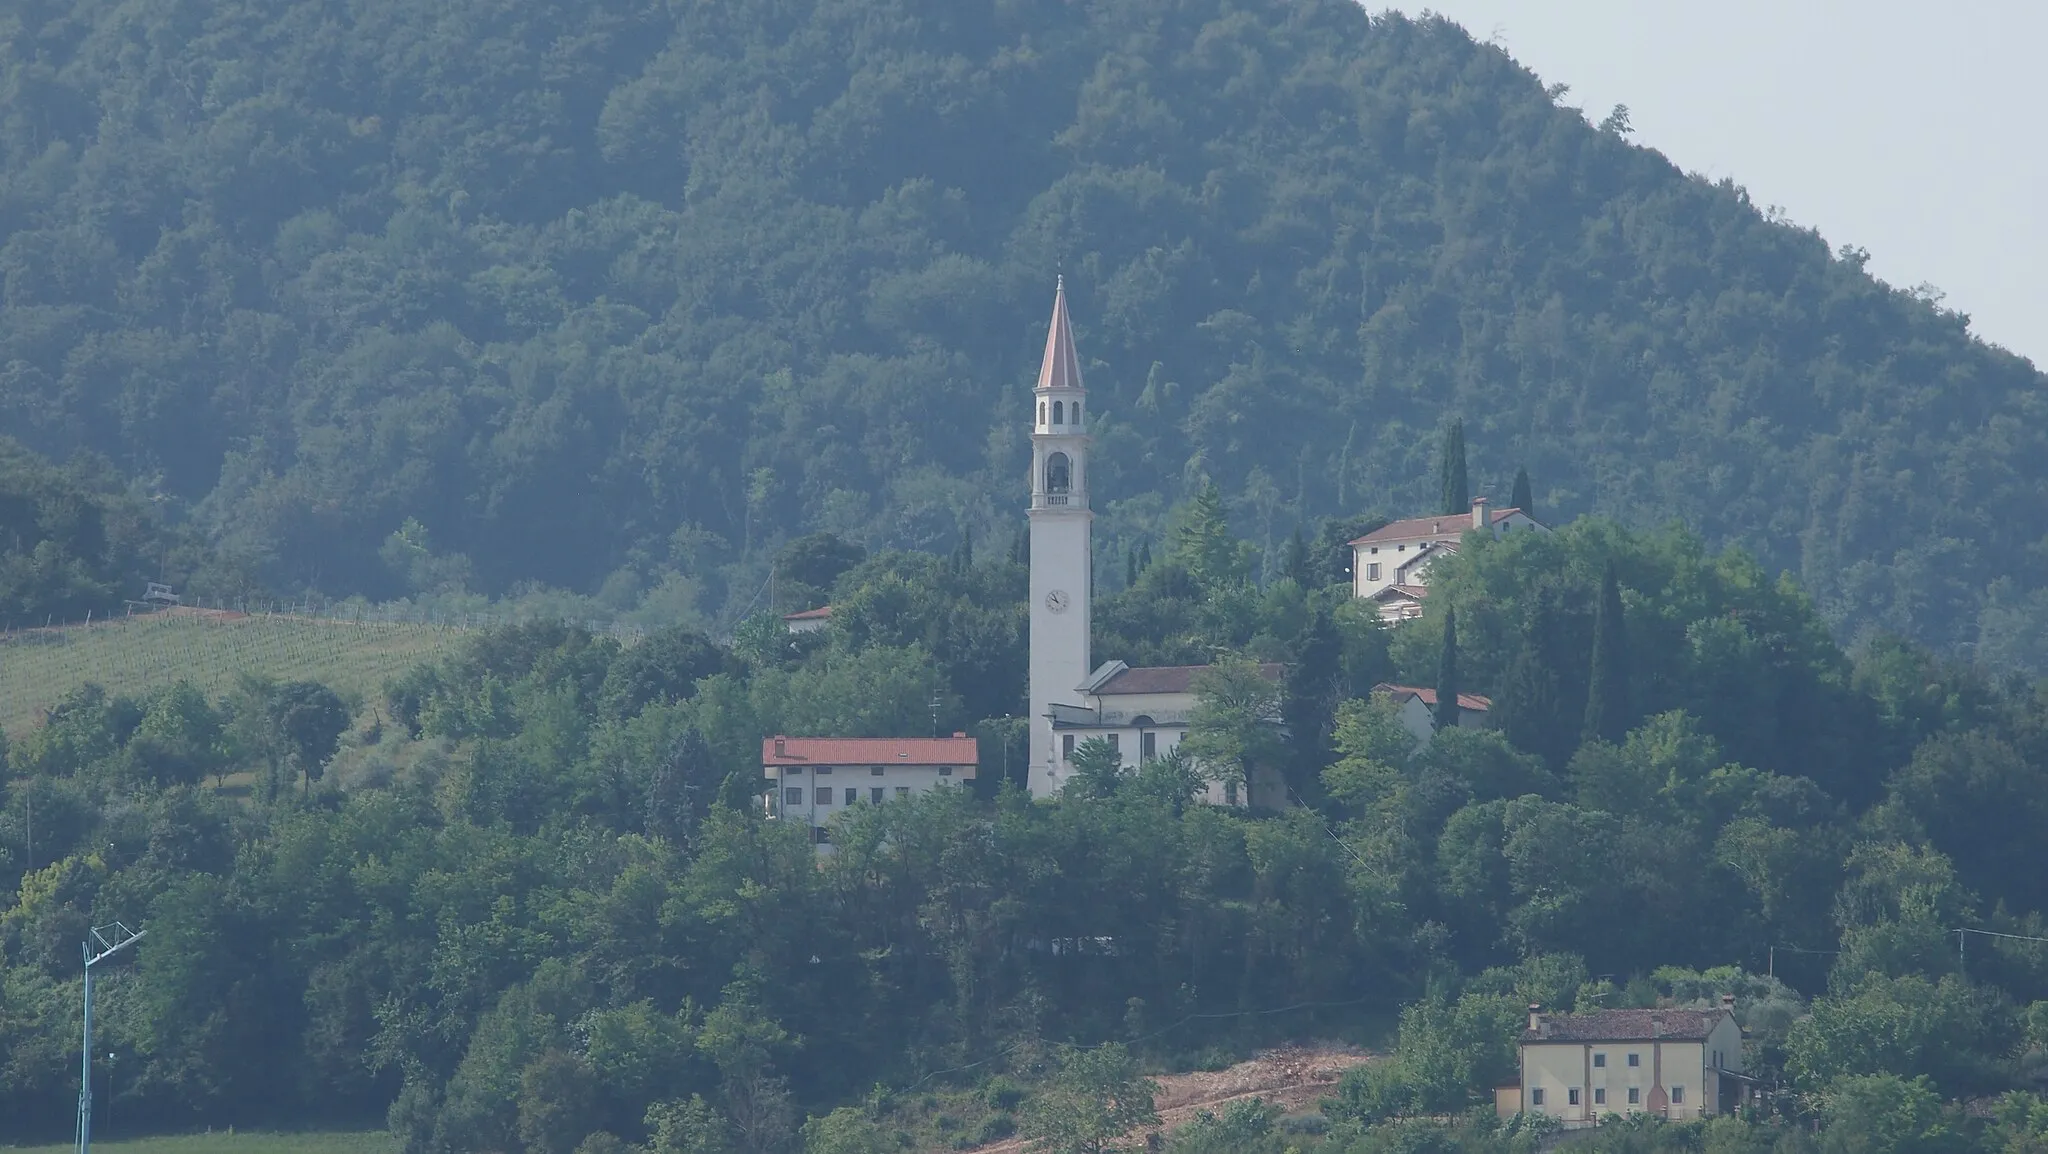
(1143,713)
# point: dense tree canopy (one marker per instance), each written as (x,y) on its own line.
(615,296)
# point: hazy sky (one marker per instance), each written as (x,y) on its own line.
(1917,131)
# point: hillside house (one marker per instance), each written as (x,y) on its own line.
(808,620)
(1676,1064)
(809,779)
(1390,565)
(1416,708)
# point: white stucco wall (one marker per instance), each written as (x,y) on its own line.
(1391,555)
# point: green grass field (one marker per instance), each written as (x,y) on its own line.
(250,1142)
(135,654)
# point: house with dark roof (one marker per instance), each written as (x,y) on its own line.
(813,779)
(1673,1063)
(1398,556)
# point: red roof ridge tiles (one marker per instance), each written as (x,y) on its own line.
(1471,701)
(1446,525)
(784,750)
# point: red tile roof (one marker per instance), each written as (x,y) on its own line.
(1448,527)
(809,614)
(1627,1026)
(1471,701)
(955,750)
(1169,679)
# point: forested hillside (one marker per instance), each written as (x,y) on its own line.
(525,900)
(608,293)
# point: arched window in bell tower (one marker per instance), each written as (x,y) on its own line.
(1059,472)
(1041,412)
(1077,412)
(1059,413)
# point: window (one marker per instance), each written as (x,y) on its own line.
(1599,1061)
(902,791)
(1230,793)
(1041,412)
(1148,745)
(823,770)
(875,794)
(1058,413)
(852,794)
(1059,473)
(1571,1096)
(1372,571)
(824,795)
(875,770)
(1077,412)
(945,771)
(1635,1059)
(1635,1095)
(1678,1095)
(1066,746)
(820,835)
(793,795)
(1536,1096)
(1599,1095)
(1375,550)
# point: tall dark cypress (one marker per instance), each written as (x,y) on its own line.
(1607,704)
(1457,484)
(1310,691)
(1130,567)
(1522,498)
(1447,673)
(1297,559)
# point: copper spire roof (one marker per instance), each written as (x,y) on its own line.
(1062,369)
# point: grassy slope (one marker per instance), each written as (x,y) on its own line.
(135,654)
(337,1142)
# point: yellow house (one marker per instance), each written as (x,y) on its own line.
(1676,1064)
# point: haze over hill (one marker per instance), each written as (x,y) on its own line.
(604,295)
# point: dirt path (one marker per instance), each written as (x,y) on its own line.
(1291,1077)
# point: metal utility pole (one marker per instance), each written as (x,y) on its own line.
(113,940)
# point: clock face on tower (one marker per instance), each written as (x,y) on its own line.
(1056,601)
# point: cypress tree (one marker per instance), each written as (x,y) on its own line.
(1310,691)
(963,557)
(1607,710)
(1457,485)
(1522,498)
(1144,556)
(1130,568)
(1447,673)
(1297,559)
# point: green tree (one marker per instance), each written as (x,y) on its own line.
(1453,479)
(1234,726)
(1887,1114)
(1607,694)
(308,719)
(846,1131)
(1203,543)
(1447,673)
(1093,1098)
(1098,769)
(1522,496)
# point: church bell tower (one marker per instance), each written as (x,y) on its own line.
(1061,554)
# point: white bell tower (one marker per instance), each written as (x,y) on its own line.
(1061,554)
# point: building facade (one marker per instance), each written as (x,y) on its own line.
(1676,1064)
(813,779)
(1390,565)
(1144,714)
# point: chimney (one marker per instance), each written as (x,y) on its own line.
(1536,1017)
(1728,1002)
(779,742)
(959,733)
(1479,518)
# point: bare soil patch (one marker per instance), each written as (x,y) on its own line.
(1291,1077)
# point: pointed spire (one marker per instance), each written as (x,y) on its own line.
(1062,368)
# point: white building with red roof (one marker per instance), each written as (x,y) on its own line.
(1390,565)
(812,779)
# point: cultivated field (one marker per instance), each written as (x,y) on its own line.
(209,648)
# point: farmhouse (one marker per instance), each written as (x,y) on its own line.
(1579,1068)
(1390,565)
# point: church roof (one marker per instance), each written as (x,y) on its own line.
(1062,368)
(1167,679)
(958,749)
(1446,527)
(1626,1026)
